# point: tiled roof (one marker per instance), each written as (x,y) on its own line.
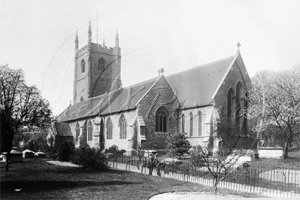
(129,97)
(111,102)
(196,86)
(193,87)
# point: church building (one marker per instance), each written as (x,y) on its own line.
(145,114)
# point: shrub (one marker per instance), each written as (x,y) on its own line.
(196,156)
(90,158)
(178,145)
(65,151)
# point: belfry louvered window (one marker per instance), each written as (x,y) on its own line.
(82,66)
(101,64)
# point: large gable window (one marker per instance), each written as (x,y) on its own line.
(90,131)
(229,104)
(123,127)
(101,64)
(161,119)
(239,104)
(82,66)
(191,124)
(109,128)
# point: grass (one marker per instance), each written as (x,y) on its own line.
(38,179)
(248,176)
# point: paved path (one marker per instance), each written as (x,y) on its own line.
(194,196)
(66,164)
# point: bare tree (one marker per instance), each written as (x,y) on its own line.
(21,105)
(220,162)
(275,104)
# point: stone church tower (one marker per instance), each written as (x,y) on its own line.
(97,69)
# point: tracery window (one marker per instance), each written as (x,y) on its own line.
(123,127)
(161,120)
(182,123)
(191,124)
(90,131)
(77,130)
(229,104)
(239,98)
(199,123)
(109,128)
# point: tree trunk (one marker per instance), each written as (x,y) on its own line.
(285,153)
(7,160)
(216,185)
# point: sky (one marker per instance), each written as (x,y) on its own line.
(38,37)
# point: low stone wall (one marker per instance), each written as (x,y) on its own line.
(270,152)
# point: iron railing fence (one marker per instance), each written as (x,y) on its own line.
(283,177)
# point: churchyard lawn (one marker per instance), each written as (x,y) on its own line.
(36,179)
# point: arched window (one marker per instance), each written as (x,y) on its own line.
(77,130)
(90,131)
(182,123)
(199,123)
(229,104)
(161,120)
(123,127)
(101,64)
(239,104)
(191,124)
(109,128)
(82,66)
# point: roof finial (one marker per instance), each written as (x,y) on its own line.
(238,45)
(103,42)
(161,72)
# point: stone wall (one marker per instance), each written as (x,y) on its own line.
(198,134)
(159,95)
(125,144)
(237,73)
(270,152)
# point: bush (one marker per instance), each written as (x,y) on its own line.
(178,145)
(90,158)
(196,156)
(65,151)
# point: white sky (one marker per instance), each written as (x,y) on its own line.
(38,36)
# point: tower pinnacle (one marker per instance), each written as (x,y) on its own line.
(90,33)
(117,39)
(76,41)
